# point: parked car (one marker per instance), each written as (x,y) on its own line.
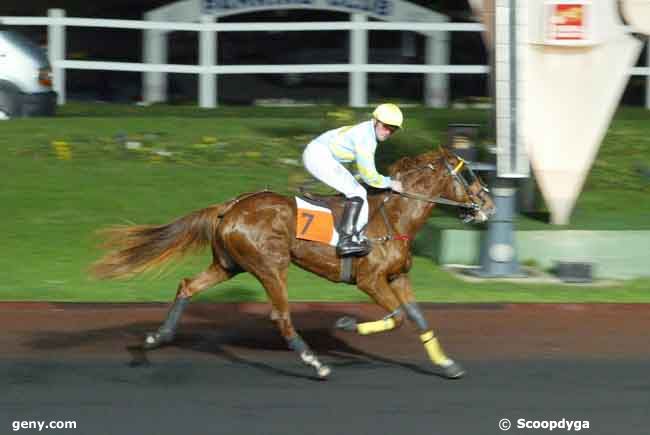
(25,78)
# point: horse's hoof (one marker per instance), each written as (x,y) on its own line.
(453,371)
(323,372)
(346,324)
(154,340)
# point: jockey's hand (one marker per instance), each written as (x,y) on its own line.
(396,186)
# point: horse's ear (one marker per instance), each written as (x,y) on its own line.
(444,151)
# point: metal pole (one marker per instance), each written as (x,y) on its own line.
(498,254)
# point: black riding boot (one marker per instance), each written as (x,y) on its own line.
(347,245)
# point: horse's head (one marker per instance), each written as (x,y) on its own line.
(445,178)
(467,187)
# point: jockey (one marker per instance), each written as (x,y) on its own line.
(354,143)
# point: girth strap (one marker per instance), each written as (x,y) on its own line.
(347,272)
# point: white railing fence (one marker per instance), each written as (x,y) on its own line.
(435,71)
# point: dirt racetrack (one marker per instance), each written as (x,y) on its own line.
(229,371)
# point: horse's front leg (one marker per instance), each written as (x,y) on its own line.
(398,299)
(402,287)
(381,293)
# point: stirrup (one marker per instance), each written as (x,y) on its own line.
(347,246)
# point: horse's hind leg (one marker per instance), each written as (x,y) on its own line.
(187,288)
(275,283)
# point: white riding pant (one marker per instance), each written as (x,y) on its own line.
(320,163)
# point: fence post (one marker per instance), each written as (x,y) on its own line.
(437,85)
(56,52)
(207,50)
(358,84)
(154,49)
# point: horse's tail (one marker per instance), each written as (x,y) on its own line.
(141,248)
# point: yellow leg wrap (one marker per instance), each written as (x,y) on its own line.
(434,350)
(377,326)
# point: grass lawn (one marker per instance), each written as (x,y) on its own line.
(98,165)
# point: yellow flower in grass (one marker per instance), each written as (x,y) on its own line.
(342,115)
(62,150)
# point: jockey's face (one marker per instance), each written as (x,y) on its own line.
(383,131)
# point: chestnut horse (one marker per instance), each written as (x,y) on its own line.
(256,233)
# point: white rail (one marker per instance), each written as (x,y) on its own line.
(273,69)
(241,27)
(57,22)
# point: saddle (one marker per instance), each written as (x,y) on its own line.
(334,203)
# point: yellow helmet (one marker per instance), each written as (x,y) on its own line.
(389,114)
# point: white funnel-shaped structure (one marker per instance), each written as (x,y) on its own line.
(574,68)
(637,14)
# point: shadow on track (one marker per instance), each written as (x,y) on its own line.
(223,338)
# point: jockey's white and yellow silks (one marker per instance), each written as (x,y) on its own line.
(356,143)
(323,158)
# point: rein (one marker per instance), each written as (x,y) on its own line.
(454,172)
(389,236)
(438,200)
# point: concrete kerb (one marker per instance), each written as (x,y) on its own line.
(615,254)
(531,275)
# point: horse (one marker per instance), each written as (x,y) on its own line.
(256,233)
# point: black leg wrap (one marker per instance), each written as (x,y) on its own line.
(297,344)
(171,322)
(413,312)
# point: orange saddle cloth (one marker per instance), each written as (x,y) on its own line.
(315,222)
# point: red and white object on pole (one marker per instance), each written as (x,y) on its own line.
(569,23)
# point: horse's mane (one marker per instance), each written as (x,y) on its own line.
(406,164)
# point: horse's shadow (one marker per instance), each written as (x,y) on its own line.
(234,342)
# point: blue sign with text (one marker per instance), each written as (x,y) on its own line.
(377,7)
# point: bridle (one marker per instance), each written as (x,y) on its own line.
(473,207)
(456,174)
